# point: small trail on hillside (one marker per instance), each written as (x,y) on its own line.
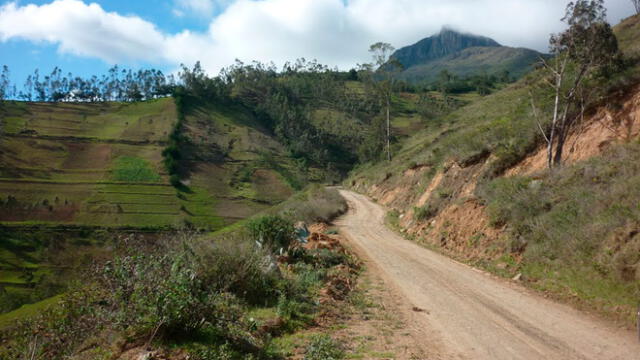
(470,314)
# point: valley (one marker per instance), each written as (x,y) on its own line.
(452,199)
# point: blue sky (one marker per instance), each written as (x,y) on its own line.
(23,56)
(87,37)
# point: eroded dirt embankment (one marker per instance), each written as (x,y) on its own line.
(467,314)
(458,222)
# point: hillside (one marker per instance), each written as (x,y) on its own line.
(101,165)
(86,164)
(231,158)
(474,185)
(75,176)
(461,55)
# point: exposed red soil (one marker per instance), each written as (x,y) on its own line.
(614,123)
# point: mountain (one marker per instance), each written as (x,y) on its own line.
(447,42)
(462,55)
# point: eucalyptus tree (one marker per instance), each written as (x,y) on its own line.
(5,84)
(384,80)
(582,52)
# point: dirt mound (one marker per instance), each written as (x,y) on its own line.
(341,281)
(318,228)
(321,241)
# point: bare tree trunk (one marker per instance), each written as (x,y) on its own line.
(561,136)
(388,129)
(564,123)
(554,122)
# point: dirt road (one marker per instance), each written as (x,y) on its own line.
(469,314)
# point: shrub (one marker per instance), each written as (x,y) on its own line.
(272,232)
(175,181)
(223,352)
(423,212)
(166,294)
(171,153)
(326,258)
(323,347)
(56,332)
(237,266)
(512,198)
(392,219)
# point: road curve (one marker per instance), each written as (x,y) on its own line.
(475,315)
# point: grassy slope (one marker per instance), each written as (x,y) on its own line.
(500,123)
(236,161)
(590,255)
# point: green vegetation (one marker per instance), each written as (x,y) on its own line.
(423,213)
(323,347)
(273,232)
(171,153)
(38,263)
(582,222)
(220,297)
(131,169)
(316,204)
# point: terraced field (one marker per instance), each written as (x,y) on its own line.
(59,164)
(101,165)
(68,170)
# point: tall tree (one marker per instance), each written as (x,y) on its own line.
(4,83)
(386,67)
(636,4)
(581,52)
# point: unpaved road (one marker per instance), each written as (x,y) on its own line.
(472,315)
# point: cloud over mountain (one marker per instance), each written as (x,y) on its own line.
(336,32)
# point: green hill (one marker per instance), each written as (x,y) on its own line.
(71,164)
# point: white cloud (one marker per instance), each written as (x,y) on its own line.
(82,29)
(336,32)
